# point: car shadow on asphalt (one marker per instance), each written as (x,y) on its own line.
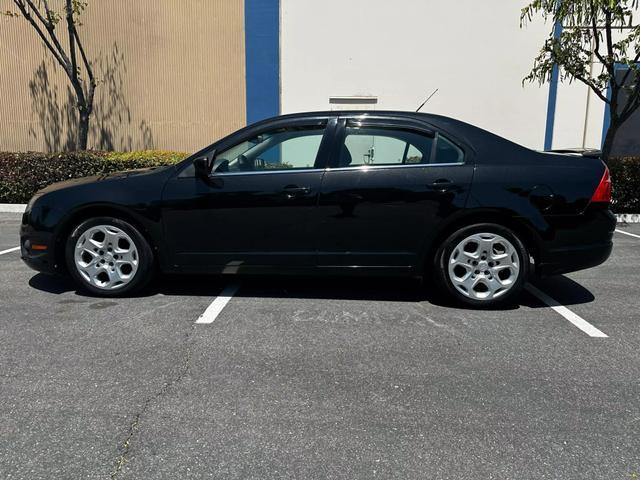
(565,290)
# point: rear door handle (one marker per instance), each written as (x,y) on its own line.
(294,191)
(443,185)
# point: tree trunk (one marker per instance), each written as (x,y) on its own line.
(83,129)
(608,141)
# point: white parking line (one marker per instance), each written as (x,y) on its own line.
(578,321)
(9,250)
(213,310)
(627,233)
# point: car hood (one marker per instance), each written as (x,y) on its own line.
(99,178)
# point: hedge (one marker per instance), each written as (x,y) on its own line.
(625,177)
(23,174)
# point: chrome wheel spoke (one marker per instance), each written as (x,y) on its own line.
(128,256)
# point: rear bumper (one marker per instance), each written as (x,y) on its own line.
(573,259)
(579,242)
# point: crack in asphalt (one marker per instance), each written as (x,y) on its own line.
(122,459)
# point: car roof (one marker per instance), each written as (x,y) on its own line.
(456,127)
(481,141)
(472,135)
(351,113)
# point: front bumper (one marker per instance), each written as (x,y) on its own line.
(40,260)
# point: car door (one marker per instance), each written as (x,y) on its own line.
(389,183)
(255,207)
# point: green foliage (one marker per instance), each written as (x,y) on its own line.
(141,159)
(23,174)
(588,27)
(597,36)
(51,14)
(625,178)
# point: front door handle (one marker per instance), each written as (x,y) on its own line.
(294,191)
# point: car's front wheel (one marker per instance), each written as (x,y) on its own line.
(108,257)
(482,265)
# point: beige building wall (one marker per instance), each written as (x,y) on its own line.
(171,76)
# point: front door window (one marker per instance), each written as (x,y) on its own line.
(282,149)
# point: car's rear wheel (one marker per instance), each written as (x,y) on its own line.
(109,257)
(482,265)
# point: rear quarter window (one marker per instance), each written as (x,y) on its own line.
(447,151)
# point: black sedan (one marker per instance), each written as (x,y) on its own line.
(390,193)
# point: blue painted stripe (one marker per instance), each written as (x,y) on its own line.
(553,95)
(262,57)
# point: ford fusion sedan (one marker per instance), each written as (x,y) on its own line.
(391,193)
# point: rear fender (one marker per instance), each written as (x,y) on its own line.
(530,232)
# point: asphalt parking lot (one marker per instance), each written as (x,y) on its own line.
(319,378)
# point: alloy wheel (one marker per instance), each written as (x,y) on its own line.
(484,266)
(106,257)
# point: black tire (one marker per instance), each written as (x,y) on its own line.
(441,262)
(144,256)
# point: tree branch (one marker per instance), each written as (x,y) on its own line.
(21,6)
(596,35)
(50,27)
(629,70)
(72,38)
(89,68)
(629,109)
(589,83)
(633,102)
(607,31)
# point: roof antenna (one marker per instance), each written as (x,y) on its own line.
(428,98)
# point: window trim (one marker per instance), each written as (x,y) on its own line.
(390,123)
(267,172)
(390,166)
(434,150)
(317,167)
(328,122)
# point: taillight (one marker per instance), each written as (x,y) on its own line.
(603,192)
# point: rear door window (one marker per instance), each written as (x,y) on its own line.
(377,146)
(384,146)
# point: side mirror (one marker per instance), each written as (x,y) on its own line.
(202,166)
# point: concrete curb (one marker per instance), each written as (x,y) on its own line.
(21,207)
(13,207)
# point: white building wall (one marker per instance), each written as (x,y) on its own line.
(577,126)
(400,51)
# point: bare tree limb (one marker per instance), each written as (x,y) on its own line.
(626,75)
(596,39)
(593,87)
(89,68)
(21,6)
(50,27)
(45,26)
(72,38)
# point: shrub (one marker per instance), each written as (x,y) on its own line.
(142,159)
(23,174)
(625,177)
